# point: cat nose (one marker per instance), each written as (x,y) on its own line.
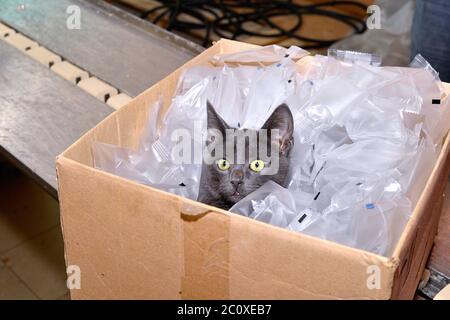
(236,182)
(237,177)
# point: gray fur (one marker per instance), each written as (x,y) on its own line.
(224,188)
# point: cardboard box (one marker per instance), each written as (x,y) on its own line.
(134,241)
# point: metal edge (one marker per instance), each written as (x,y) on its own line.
(435,283)
(145,25)
(52,191)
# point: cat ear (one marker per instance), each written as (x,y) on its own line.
(214,121)
(282,120)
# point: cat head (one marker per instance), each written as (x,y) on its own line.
(246,159)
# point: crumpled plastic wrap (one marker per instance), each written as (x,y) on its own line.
(366,139)
(392,41)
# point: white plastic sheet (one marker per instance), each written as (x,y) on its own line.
(393,40)
(366,139)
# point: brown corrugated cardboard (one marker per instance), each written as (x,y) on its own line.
(134,241)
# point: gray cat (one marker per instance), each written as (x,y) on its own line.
(224,181)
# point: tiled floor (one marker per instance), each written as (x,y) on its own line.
(31,247)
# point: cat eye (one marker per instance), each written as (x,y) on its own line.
(223,164)
(257,165)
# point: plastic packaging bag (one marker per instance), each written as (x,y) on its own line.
(365,140)
(392,41)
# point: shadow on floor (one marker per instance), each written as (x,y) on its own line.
(31,246)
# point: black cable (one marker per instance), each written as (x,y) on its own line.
(230,18)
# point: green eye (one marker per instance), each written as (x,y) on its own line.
(257,165)
(223,164)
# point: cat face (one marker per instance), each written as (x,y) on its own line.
(245,159)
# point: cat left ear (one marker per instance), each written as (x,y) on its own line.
(282,120)
(214,121)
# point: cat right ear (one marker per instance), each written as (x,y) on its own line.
(282,120)
(214,121)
